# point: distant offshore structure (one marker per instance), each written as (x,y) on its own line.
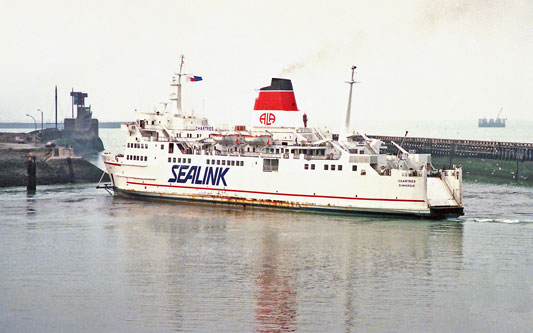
(498,122)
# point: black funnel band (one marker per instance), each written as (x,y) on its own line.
(279,84)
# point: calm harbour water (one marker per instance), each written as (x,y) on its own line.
(73,258)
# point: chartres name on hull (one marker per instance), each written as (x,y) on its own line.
(276,162)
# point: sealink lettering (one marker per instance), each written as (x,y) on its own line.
(221,176)
(193,174)
(198,176)
(211,178)
(182,173)
(204,180)
(174,168)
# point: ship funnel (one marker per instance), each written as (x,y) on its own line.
(276,106)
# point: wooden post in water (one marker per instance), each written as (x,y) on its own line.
(31,179)
(517,161)
(70,170)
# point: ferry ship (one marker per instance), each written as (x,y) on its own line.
(277,161)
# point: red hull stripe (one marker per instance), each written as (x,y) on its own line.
(275,100)
(115,164)
(272,193)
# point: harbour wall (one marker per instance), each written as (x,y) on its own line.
(508,151)
(50,169)
(483,161)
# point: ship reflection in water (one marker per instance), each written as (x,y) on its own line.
(276,271)
(73,258)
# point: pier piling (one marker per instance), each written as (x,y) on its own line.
(31,179)
(70,170)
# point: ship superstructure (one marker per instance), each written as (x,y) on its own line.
(278,161)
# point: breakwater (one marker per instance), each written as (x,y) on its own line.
(485,161)
(509,151)
(52,166)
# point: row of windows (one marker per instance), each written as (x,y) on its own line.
(331,167)
(180,160)
(189,135)
(138,145)
(317,152)
(212,162)
(224,162)
(136,158)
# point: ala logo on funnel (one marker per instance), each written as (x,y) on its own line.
(267,118)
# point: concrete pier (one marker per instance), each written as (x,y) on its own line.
(34,164)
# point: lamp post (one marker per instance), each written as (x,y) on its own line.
(34,121)
(39,110)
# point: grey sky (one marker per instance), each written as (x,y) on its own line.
(431,59)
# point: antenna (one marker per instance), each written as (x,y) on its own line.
(348,111)
(56,106)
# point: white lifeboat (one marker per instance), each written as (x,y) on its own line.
(227,139)
(259,140)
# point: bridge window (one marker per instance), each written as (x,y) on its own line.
(333,167)
(189,161)
(174,160)
(270,165)
(162,146)
(171,148)
(207,161)
(312,167)
(306,166)
(242,163)
(354,167)
(325,166)
(169,159)
(146,158)
(339,167)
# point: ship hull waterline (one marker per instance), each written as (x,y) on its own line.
(434,213)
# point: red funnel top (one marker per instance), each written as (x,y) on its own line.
(279,96)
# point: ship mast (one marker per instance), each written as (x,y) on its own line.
(178,85)
(348,111)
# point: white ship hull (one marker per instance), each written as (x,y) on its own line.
(292,186)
